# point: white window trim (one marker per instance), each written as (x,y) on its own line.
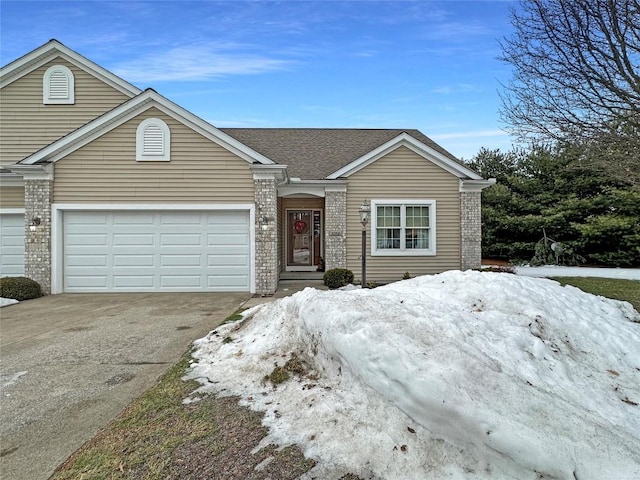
(46,86)
(166,138)
(402,252)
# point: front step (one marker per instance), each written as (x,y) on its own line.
(301,275)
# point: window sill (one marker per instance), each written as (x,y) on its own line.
(403,253)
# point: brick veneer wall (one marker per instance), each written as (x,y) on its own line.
(37,258)
(471,230)
(266,198)
(335,204)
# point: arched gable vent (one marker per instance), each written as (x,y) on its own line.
(153,140)
(58,86)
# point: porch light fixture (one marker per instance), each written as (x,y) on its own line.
(365,211)
(264,221)
(35,222)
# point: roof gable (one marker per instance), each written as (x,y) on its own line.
(321,153)
(53,49)
(130,109)
(406,140)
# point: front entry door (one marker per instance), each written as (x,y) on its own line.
(303,237)
(300,241)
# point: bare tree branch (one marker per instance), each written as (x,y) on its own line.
(576,68)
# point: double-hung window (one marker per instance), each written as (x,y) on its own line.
(403,227)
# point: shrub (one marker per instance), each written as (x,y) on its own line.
(338,277)
(19,288)
(406,276)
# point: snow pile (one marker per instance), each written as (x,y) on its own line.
(459,375)
(560,271)
(7,301)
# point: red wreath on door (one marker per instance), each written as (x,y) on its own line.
(300,226)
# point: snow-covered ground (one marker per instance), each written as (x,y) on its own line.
(557,271)
(461,375)
(7,301)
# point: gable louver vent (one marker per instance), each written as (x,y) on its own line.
(153,140)
(58,85)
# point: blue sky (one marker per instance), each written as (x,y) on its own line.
(430,65)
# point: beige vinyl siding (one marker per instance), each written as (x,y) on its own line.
(27,125)
(293,203)
(403,174)
(11,197)
(106,170)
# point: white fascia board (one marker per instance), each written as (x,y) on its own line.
(406,140)
(270,172)
(33,172)
(318,188)
(125,112)
(50,50)
(475,185)
(11,179)
(12,211)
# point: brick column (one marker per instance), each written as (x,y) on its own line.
(335,246)
(471,230)
(266,199)
(38,198)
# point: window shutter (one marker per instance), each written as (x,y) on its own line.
(58,85)
(153,140)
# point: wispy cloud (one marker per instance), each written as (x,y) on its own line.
(198,62)
(469,134)
(457,88)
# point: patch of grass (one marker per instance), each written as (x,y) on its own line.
(235,316)
(618,289)
(158,437)
(282,374)
(278,375)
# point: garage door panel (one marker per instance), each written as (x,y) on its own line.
(85,240)
(181,260)
(228,239)
(11,244)
(180,219)
(88,282)
(226,283)
(87,220)
(130,282)
(90,261)
(181,281)
(157,251)
(133,218)
(235,260)
(133,239)
(180,239)
(226,218)
(140,260)
(223,250)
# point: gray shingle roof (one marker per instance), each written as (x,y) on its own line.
(314,153)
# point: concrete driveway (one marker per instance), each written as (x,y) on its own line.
(70,363)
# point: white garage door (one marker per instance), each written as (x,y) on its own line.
(11,245)
(156,251)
